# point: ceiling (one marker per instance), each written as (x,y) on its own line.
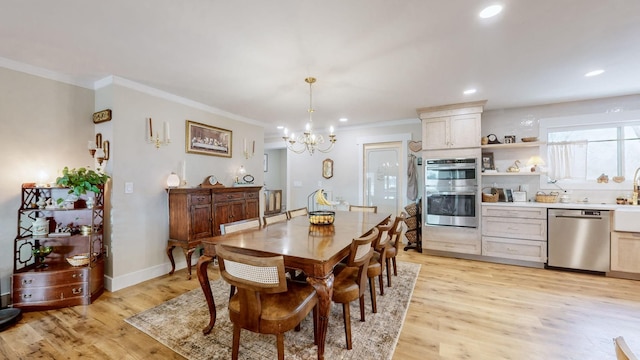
(375,60)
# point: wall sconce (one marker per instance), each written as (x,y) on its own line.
(99,150)
(534,161)
(157,141)
(248,155)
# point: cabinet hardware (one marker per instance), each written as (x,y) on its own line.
(26,296)
(76,291)
(26,281)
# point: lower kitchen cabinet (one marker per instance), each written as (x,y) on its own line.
(451,239)
(625,252)
(515,233)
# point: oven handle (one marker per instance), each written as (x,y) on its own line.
(438,168)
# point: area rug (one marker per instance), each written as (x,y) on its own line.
(178,324)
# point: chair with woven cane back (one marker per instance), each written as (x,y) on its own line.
(298,212)
(265,303)
(377,262)
(240,225)
(351,279)
(393,247)
(373,209)
(272,219)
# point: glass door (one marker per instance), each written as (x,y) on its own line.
(383,185)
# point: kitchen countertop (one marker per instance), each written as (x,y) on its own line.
(571,205)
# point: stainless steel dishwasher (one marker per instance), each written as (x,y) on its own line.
(579,239)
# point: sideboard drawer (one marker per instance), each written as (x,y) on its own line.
(229,196)
(51,293)
(200,199)
(48,278)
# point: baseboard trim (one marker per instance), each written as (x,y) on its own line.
(120,282)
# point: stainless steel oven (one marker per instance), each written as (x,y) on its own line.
(451,192)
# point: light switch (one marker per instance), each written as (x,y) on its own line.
(128,188)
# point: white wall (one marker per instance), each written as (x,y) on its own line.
(306,170)
(139,221)
(44,126)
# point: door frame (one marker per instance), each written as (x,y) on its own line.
(402,162)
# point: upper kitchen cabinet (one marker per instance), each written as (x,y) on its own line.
(451,126)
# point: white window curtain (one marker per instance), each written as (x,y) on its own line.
(567,160)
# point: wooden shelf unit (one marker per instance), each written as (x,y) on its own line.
(53,282)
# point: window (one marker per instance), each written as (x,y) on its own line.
(581,149)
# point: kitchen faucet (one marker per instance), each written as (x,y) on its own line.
(636,188)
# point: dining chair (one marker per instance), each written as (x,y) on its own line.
(374,269)
(394,244)
(298,212)
(351,279)
(240,225)
(265,303)
(373,209)
(271,219)
(622,350)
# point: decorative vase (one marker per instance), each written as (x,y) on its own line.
(40,227)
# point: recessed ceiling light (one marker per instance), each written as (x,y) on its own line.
(594,73)
(470,91)
(344,119)
(490,11)
(280,127)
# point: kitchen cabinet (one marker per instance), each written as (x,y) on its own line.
(625,251)
(72,230)
(451,126)
(517,233)
(451,239)
(197,213)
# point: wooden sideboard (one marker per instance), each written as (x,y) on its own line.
(196,213)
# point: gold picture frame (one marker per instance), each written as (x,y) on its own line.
(207,140)
(327,168)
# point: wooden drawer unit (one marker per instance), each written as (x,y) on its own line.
(519,228)
(37,279)
(196,213)
(518,249)
(515,233)
(625,252)
(515,212)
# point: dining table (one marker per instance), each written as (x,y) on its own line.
(313,249)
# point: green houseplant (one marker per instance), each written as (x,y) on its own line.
(81,180)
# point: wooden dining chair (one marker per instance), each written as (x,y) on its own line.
(298,212)
(351,279)
(265,303)
(373,209)
(623,352)
(394,245)
(374,269)
(240,225)
(271,219)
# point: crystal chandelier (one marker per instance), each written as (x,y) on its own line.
(308,140)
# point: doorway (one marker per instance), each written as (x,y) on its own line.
(383,184)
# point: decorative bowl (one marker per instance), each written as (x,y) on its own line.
(78,260)
(530,139)
(322,217)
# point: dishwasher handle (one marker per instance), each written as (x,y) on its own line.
(579,217)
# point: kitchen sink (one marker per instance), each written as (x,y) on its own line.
(627,219)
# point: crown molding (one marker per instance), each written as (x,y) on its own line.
(44,73)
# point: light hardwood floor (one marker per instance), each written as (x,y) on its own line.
(460,309)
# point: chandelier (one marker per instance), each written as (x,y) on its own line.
(308,140)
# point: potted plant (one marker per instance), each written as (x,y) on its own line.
(81,180)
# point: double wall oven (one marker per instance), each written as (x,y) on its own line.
(451,192)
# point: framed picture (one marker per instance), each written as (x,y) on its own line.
(487,161)
(509,139)
(327,168)
(207,140)
(265,163)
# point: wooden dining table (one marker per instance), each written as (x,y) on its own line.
(314,249)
